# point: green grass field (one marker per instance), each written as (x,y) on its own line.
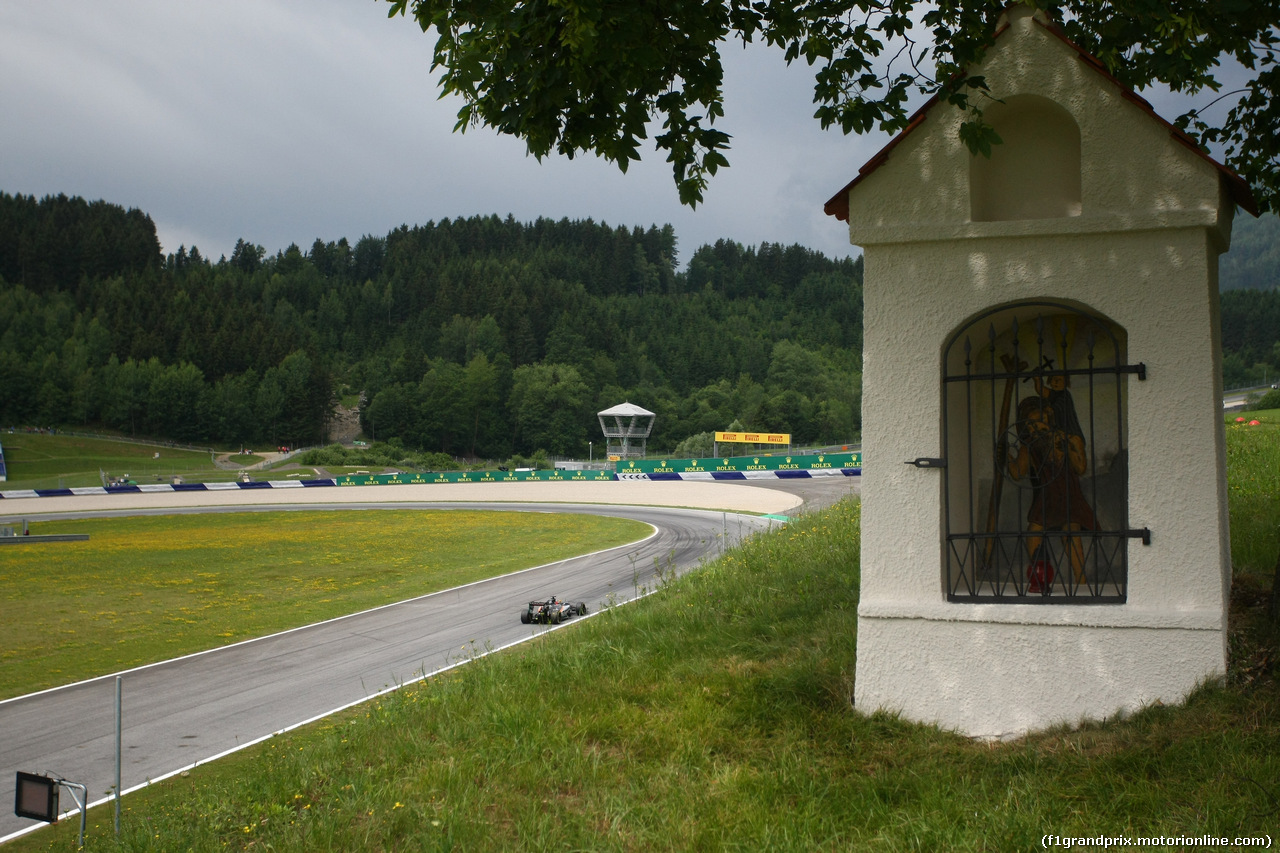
(146,589)
(43,461)
(1253,463)
(715,715)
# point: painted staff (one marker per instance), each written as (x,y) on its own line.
(1002,452)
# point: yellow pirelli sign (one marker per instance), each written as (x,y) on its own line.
(755,437)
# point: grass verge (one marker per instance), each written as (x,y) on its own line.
(1253,481)
(144,589)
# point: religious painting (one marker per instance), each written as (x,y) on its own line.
(1036,477)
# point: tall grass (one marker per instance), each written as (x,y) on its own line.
(1253,492)
(715,715)
(1253,465)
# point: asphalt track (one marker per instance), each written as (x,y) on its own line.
(193,709)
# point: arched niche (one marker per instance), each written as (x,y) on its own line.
(1034,173)
(1036,478)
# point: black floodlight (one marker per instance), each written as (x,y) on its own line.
(36,797)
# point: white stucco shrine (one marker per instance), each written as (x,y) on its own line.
(1044,524)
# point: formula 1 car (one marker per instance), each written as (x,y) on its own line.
(552,611)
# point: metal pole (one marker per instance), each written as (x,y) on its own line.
(119,680)
(81,803)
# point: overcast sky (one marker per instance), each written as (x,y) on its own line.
(281,121)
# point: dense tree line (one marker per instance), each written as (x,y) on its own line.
(478,336)
(1254,260)
(58,240)
(1249,276)
(1250,337)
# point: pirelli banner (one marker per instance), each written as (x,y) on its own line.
(754,437)
(744,467)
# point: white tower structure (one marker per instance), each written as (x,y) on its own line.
(626,428)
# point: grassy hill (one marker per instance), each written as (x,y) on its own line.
(715,715)
(42,460)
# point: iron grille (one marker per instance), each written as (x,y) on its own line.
(1036,470)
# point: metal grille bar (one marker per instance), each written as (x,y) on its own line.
(1035,467)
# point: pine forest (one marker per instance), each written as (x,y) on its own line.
(480,337)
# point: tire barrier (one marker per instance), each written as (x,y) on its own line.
(794,466)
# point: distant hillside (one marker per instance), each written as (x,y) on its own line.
(1254,260)
(481,336)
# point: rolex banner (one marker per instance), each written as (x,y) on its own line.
(739,467)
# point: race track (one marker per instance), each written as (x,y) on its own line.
(189,710)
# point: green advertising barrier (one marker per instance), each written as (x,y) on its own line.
(743,464)
(652,467)
(556,476)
